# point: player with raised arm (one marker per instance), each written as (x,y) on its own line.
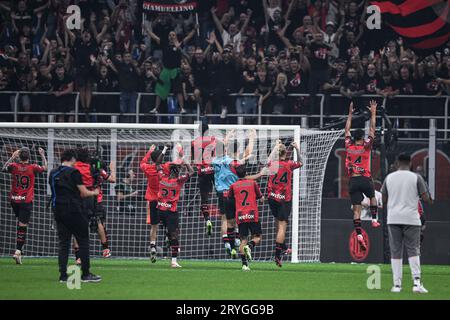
(245,194)
(149,165)
(22,191)
(357,163)
(279,193)
(92,178)
(170,184)
(224,163)
(203,150)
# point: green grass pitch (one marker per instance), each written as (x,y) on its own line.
(139,279)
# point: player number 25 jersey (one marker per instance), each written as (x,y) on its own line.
(357,160)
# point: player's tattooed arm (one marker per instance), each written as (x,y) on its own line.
(13,158)
(348,124)
(251,142)
(373,118)
(297,151)
(274,154)
(112,172)
(44,159)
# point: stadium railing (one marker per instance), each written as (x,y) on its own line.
(437,108)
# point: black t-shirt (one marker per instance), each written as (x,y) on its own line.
(82,52)
(336,77)
(249,86)
(392,85)
(296,82)
(64,182)
(352,23)
(225,76)
(371,84)
(264,86)
(430,86)
(125,205)
(407,86)
(128,77)
(319,56)
(200,72)
(171,57)
(352,84)
(106,84)
(347,49)
(61,84)
(43,83)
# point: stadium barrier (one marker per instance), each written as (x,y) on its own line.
(400,110)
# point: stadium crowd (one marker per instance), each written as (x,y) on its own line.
(269,49)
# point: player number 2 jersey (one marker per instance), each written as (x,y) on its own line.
(357,160)
(245,194)
(22,184)
(279,186)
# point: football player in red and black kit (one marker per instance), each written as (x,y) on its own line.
(149,165)
(203,150)
(279,189)
(245,194)
(357,163)
(170,184)
(22,191)
(93,205)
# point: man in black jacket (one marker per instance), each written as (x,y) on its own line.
(71,218)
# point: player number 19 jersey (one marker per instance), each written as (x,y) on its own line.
(22,184)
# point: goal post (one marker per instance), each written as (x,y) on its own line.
(126,221)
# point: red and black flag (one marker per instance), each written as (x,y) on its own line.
(423,24)
(169,5)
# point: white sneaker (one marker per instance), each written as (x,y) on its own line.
(175,265)
(154,111)
(245,268)
(396,289)
(183,111)
(419,289)
(18,256)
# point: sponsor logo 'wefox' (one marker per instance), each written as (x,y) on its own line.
(18,198)
(247,216)
(165,205)
(278,196)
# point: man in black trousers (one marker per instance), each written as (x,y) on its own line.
(70,216)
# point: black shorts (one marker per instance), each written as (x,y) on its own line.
(281,210)
(22,211)
(100,212)
(154,212)
(89,206)
(205,183)
(247,228)
(227,207)
(169,219)
(358,186)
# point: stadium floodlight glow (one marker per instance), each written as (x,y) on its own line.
(127,144)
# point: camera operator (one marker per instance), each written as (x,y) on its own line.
(67,194)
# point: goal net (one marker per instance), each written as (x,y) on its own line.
(128,232)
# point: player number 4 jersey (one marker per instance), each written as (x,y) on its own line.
(357,160)
(22,184)
(279,187)
(245,194)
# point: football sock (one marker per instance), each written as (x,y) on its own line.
(251,244)
(231,237)
(21,235)
(278,249)
(414,264)
(244,259)
(77,253)
(225,238)
(152,244)
(397,270)
(374,211)
(205,212)
(174,247)
(357,225)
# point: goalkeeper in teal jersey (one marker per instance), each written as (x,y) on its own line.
(224,164)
